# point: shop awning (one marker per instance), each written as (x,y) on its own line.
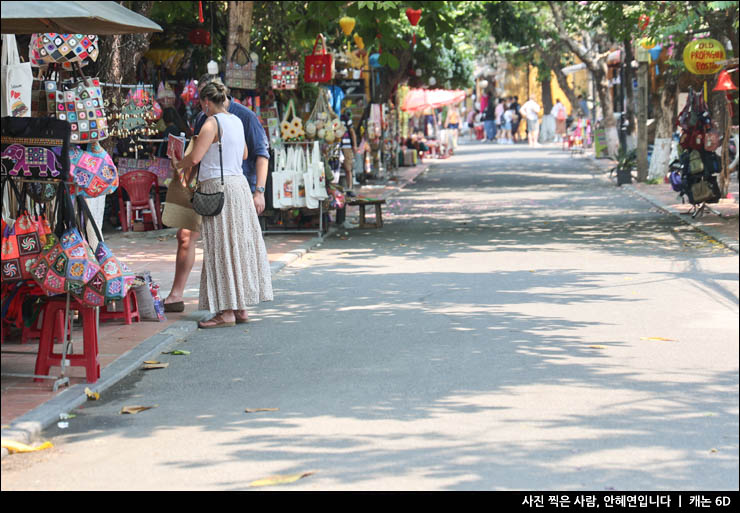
(68,17)
(420,99)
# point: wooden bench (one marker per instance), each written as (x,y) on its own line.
(378,211)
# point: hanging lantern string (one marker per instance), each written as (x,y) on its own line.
(201,19)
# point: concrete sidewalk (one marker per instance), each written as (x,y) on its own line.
(29,407)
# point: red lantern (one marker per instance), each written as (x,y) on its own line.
(643,21)
(724,82)
(200,37)
(413,16)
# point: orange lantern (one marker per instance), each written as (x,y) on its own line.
(347,24)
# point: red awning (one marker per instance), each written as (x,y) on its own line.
(420,99)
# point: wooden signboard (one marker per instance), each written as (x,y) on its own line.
(600,146)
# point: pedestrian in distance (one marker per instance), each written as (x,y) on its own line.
(583,105)
(471,122)
(500,107)
(236,270)
(516,118)
(506,119)
(348,145)
(452,123)
(188,222)
(531,110)
(559,113)
(489,119)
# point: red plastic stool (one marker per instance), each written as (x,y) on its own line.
(47,358)
(30,332)
(130,309)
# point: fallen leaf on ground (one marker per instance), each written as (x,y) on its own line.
(278,480)
(249,410)
(154,365)
(93,396)
(713,450)
(12,446)
(133,410)
(177,352)
(658,338)
(597,347)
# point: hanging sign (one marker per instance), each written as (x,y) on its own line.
(701,56)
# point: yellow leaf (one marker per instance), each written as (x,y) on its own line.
(155,365)
(658,338)
(597,347)
(93,396)
(13,446)
(133,410)
(248,410)
(278,480)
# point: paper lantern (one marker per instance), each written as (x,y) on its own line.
(701,56)
(724,82)
(643,21)
(347,24)
(359,42)
(647,44)
(413,16)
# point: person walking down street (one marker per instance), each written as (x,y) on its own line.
(348,146)
(560,115)
(254,168)
(583,105)
(500,108)
(530,110)
(506,119)
(236,270)
(452,123)
(489,119)
(472,115)
(516,118)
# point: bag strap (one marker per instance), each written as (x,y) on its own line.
(239,48)
(220,154)
(87,216)
(323,45)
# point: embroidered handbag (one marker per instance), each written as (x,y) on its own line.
(285,74)
(21,243)
(62,48)
(38,147)
(80,103)
(69,263)
(92,171)
(319,67)
(114,279)
(241,76)
(210,204)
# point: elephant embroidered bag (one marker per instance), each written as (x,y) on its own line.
(37,147)
(68,264)
(93,171)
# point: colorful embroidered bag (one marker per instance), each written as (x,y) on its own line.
(38,147)
(241,76)
(92,171)
(69,263)
(62,48)
(21,243)
(81,104)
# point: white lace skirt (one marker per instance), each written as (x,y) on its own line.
(236,270)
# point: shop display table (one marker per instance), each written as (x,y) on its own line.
(362,203)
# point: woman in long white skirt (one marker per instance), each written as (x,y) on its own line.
(236,270)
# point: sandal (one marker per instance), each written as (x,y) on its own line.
(215,322)
(240,320)
(178,306)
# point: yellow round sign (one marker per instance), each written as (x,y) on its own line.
(701,56)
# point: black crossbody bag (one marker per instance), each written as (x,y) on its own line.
(210,204)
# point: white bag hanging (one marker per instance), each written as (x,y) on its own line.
(300,182)
(309,180)
(17,81)
(277,178)
(319,174)
(289,189)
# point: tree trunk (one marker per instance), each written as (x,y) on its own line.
(629,74)
(664,119)
(546,96)
(552,59)
(607,108)
(240,27)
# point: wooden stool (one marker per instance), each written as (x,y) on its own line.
(378,212)
(47,358)
(130,309)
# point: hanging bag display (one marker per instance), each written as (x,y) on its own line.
(319,67)
(166,95)
(17,81)
(62,48)
(21,242)
(114,279)
(284,74)
(240,76)
(278,179)
(291,127)
(80,102)
(69,263)
(37,147)
(92,170)
(210,204)
(299,171)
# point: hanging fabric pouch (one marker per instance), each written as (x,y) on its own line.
(241,76)
(62,48)
(291,127)
(17,81)
(21,243)
(81,104)
(319,67)
(93,171)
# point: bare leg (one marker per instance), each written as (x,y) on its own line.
(183,263)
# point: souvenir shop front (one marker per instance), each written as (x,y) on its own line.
(55,178)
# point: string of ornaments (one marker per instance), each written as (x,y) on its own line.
(133,117)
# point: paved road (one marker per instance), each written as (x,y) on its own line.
(517,324)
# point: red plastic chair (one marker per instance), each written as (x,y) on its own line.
(138,185)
